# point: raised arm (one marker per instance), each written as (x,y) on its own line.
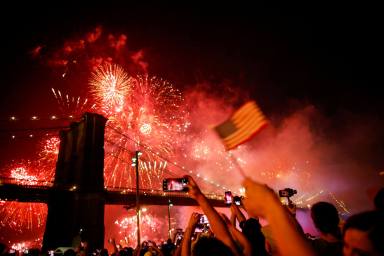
(233,216)
(261,201)
(186,243)
(238,214)
(218,225)
(239,237)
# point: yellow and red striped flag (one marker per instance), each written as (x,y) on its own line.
(244,123)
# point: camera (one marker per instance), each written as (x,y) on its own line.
(287,192)
(175,184)
(237,200)
(228,197)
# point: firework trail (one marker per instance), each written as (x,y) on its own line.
(50,148)
(71,106)
(46,163)
(153,227)
(23,218)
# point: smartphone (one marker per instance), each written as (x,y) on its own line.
(178,239)
(202,224)
(237,200)
(199,229)
(228,197)
(203,219)
(175,184)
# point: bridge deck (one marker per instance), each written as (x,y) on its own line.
(40,193)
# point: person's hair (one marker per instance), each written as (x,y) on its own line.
(326,218)
(371,222)
(34,252)
(70,252)
(207,246)
(123,252)
(2,248)
(104,252)
(252,230)
(379,200)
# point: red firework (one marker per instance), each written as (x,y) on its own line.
(148,118)
(110,85)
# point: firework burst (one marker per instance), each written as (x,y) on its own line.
(23,219)
(46,163)
(152,121)
(22,177)
(110,85)
(28,219)
(50,148)
(150,228)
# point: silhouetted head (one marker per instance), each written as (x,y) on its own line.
(379,200)
(207,246)
(70,252)
(104,252)
(364,233)
(2,248)
(252,230)
(326,218)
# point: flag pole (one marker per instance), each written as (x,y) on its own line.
(236,163)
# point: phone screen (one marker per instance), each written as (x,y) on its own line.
(178,239)
(173,184)
(228,197)
(203,219)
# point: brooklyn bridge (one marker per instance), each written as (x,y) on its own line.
(77,195)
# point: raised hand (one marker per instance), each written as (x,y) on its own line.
(259,198)
(193,189)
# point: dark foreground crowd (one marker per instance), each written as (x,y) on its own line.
(360,235)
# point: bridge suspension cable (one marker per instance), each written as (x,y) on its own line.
(148,149)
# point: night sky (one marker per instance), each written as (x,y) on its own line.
(284,56)
(323,54)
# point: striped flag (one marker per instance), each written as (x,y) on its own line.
(242,125)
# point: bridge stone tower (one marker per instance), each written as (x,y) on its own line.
(77,198)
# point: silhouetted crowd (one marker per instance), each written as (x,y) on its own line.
(361,234)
